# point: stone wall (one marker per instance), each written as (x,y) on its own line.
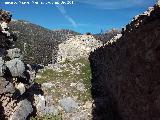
(126,72)
(17,88)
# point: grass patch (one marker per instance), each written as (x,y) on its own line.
(68,76)
(51,75)
(48,117)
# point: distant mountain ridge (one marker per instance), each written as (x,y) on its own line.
(38,43)
(107,36)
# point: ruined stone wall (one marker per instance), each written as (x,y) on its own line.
(17,88)
(126,73)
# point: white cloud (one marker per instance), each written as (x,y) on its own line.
(64,13)
(115,4)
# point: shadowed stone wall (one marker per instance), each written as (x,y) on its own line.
(126,73)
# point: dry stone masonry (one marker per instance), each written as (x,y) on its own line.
(126,72)
(17,88)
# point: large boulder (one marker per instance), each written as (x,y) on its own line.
(16,67)
(14,53)
(22,110)
(44,105)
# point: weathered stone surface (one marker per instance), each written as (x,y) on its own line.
(6,87)
(7,104)
(16,67)
(125,84)
(44,105)
(77,47)
(2,67)
(47,85)
(40,104)
(21,88)
(68,104)
(14,53)
(22,110)
(80,87)
(16,90)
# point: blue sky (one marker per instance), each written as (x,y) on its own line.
(82,16)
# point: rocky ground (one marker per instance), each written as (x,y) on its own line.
(67,84)
(67,92)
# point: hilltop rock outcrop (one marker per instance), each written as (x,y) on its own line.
(77,47)
(125,84)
